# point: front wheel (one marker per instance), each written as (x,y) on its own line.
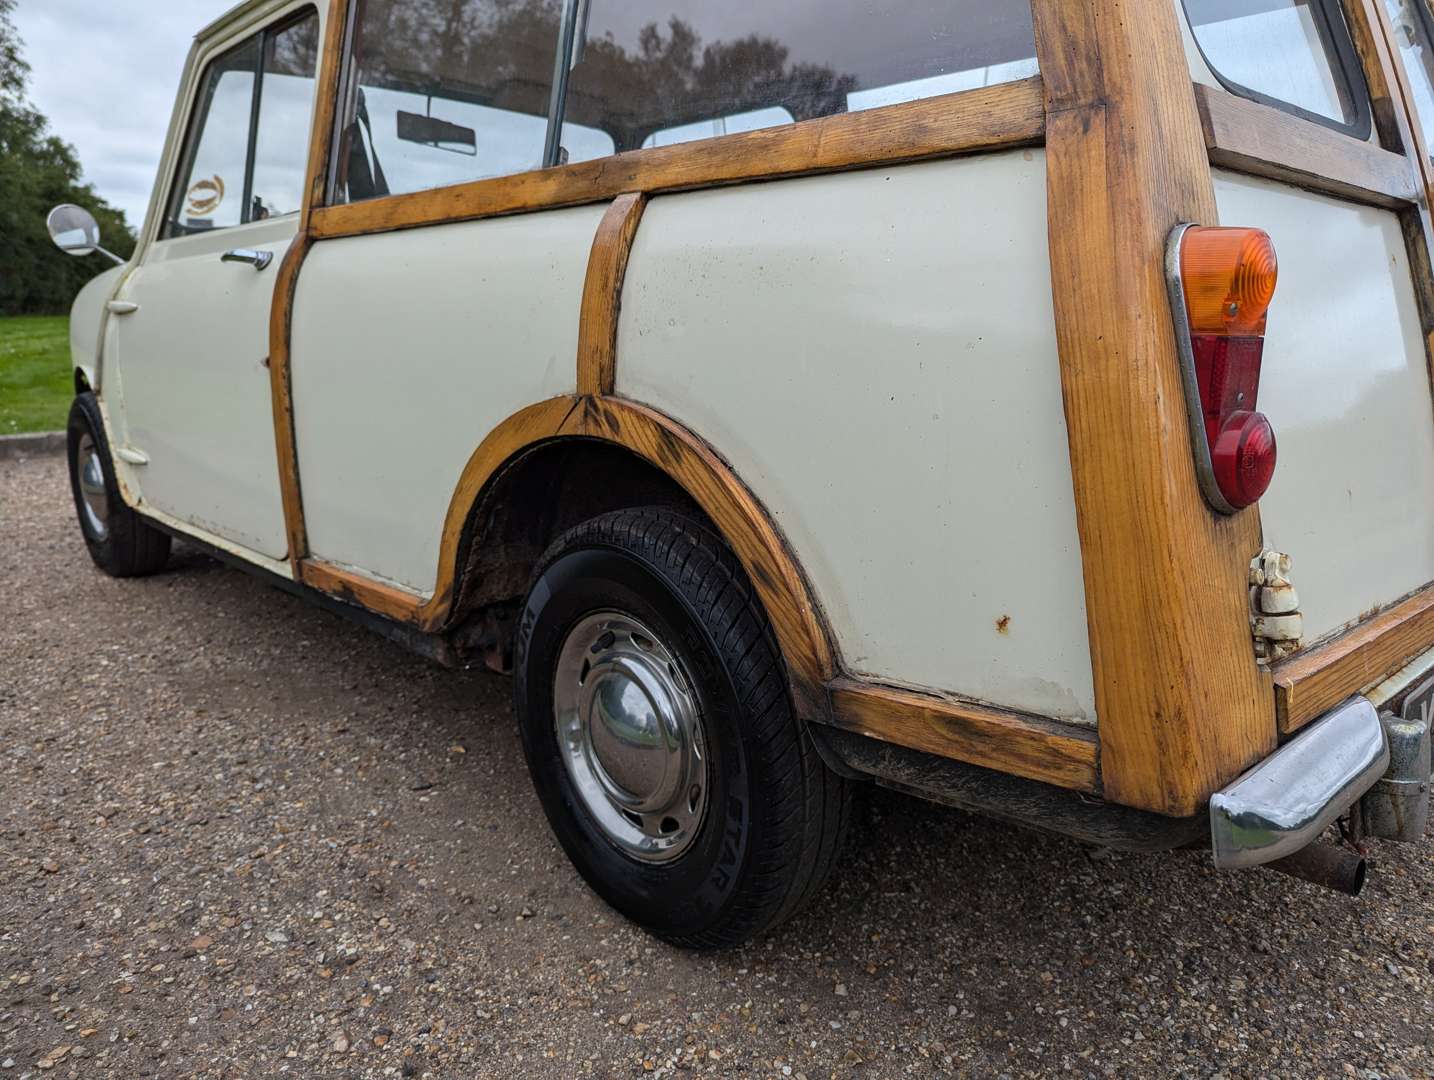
(658,730)
(121,543)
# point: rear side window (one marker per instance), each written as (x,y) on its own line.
(657,72)
(442,93)
(1294,54)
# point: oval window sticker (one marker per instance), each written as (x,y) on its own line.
(204,196)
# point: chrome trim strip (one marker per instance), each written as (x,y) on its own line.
(1285,801)
(1204,468)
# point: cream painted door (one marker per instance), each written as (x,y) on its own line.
(193,354)
(193,360)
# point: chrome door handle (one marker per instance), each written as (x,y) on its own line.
(257,259)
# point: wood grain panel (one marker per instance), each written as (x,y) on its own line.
(1315,680)
(602,294)
(1183,706)
(990,118)
(998,739)
(1265,141)
(281,310)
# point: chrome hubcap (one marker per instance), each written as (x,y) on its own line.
(630,732)
(93,497)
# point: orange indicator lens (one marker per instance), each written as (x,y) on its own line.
(1229,277)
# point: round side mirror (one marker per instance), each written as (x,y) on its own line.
(73,229)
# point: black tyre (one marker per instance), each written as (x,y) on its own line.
(657,727)
(121,543)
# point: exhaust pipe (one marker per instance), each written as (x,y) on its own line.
(1327,865)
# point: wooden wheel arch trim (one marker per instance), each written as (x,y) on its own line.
(664,444)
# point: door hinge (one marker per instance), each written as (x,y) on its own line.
(1275,619)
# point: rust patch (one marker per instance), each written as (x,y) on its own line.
(1003,624)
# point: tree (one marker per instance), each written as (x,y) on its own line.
(38,170)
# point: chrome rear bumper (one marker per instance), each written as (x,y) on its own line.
(1285,801)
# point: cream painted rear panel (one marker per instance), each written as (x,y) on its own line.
(875,354)
(1346,385)
(408,348)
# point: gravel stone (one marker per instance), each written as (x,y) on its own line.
(206,760)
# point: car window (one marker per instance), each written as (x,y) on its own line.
(653,72)
(291,57)
(443,93)
(210,193)
(1295,54)
(245,154)
(1412,23)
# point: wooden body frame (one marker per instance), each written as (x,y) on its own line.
(1183,706)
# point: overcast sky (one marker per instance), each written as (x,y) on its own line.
(106,72)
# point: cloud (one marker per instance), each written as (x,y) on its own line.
(106,75)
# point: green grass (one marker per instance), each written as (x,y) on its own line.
(36,378)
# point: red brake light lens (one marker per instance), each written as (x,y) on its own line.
(1243,456)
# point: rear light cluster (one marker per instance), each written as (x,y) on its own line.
(1221,284)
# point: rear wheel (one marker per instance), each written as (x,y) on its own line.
(658,730)
(121,543)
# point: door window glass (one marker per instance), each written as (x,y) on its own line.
(655,72)
(210,193)
(245,154)
(1295,54)
(291,56)
(446,92)
(1412,32)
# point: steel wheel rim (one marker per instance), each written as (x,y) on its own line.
(94,496)
(631,736)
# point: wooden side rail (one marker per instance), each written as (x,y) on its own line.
(1265,141)
(1315,680)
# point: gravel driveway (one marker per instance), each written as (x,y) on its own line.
(240,837)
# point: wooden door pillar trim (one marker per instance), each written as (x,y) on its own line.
(286,282)
(1182,705)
